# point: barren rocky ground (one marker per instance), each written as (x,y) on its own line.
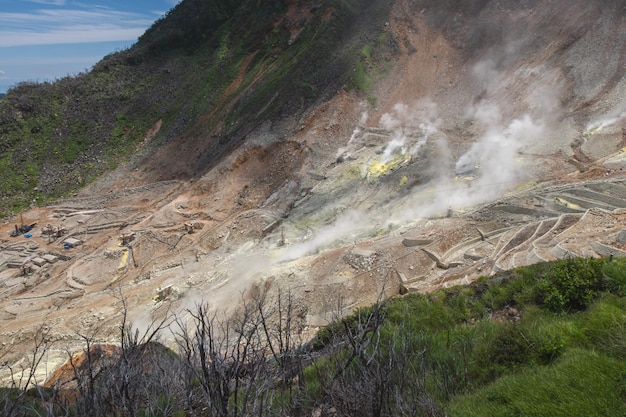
(493,142)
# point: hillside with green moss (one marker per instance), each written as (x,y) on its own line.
(213,70)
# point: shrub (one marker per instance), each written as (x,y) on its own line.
(570,284)
(507,289)
(548,348)
(510,347)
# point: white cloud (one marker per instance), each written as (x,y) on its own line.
(49,60)
(69,36)
(68,26)
(50,2)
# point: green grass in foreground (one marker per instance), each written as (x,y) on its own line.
(581,383)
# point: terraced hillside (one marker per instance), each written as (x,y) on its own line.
(578,220)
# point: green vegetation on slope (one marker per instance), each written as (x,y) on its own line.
(212,70)
(548,339)
(499,347)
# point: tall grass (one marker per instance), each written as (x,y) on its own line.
(581,383)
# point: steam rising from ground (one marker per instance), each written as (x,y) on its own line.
(490,165)
(484,171)
(461,176)
(345,224)
(356,134)
(614,117)
(407,123)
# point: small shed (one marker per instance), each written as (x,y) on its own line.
(70,242)
(39,261)
(50,258)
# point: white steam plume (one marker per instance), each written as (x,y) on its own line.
(344,151)
(348,222)
(406,124)
(611,119)
(398,143)
(492,162)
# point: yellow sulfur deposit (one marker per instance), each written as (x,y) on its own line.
(566,203)
(380,168)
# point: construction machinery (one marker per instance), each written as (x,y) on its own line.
(22,228)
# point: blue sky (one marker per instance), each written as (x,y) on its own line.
(42,40)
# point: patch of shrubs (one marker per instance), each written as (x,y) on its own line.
(570,284)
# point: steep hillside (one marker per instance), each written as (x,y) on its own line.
(338,149)
(209,71)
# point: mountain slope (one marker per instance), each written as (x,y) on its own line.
(340,149)
(209,70)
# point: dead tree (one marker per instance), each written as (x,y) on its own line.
(25,394)
(237,364)
(373,371)
(120,380)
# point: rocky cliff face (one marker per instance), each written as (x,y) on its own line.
(472,137)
